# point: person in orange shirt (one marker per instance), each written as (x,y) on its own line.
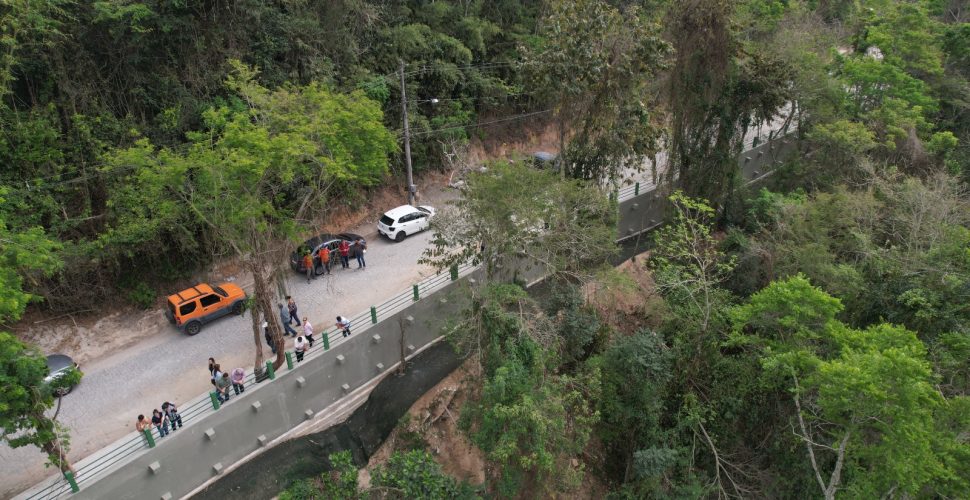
(325,259)
(308,264)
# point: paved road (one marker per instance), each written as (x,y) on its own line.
(172,366)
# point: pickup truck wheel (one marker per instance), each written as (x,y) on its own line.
(399,237)
(237,308)
(193,328)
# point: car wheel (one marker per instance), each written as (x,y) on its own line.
(399,237)
(193,328)
(237,308)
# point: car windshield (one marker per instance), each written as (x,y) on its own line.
(387,221)
(220,291)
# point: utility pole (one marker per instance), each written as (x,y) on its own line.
(407,136)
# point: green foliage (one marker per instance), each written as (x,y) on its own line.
(636,370)
(593,64)
(339,483)
(28,253)
(687,263)
(564,225)
(529,422)
(415,474)
(870,390)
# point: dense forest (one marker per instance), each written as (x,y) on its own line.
(806,339)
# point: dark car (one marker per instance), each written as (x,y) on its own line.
(58,365)
(313,245)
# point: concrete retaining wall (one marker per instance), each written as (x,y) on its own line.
(647,210)
(196,453)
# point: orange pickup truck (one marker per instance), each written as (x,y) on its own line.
(193,307)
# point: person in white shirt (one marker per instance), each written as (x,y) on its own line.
(344,325)
(308,331)
(300,347)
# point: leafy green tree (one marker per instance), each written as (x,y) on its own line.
(864,399)
(687,263)
(514,211)
(533,423)
(636,370)
(26,398)
(593,63)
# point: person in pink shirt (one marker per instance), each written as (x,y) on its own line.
(238,377)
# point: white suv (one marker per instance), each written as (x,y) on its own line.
(404,221)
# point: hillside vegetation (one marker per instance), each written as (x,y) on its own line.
(806,339)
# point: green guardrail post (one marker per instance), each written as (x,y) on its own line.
(270,371)
(289,360)
(373,315)
(454,272)
(70,479)
(636,189)
(148,437)
(326,341)
(416,296)
(214,396)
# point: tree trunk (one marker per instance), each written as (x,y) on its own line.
(55,452)
(264,305)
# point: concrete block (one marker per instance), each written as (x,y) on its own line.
(300,381)
(217,468)
(380,367)
(411,348)
(210,433)
(346,388)
(376,338)
(635,207)
(262,440)
(154,467)
(341,359)
(760,154)
(471,281)
(747,159)
(256,406)
(409,320)
(442,301)
(167,495)
(308,414)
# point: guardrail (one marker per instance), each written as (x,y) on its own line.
(91,468)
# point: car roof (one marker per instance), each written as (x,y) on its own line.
(394,213)
(58,362)
(190,293)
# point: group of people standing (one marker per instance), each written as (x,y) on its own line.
(224,382)
(289,315)
(162,419)
(345,250)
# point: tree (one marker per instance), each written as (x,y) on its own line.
(717,89)
(26,398)
(864,399)
(594,64)
(688,265)
(515,212)
(256,176)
